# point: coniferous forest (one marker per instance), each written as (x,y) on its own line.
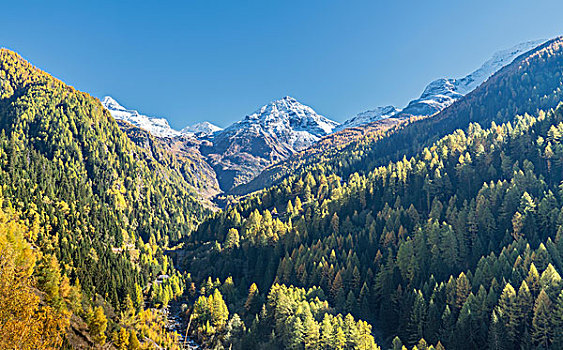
(437,232)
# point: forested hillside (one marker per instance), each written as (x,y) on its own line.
(180,154)
(444,231)
(96,210)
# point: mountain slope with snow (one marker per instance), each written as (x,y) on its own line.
(201,129)
(156,126)
(270,134)
(284,127)
(441,93)
(295,125)
(370,116)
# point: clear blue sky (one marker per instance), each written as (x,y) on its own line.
(220,60)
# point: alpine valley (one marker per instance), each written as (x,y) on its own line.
(437,225)
(274,132)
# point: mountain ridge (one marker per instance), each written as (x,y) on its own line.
(90,203)
(157,126)
(441,93)
(446,230)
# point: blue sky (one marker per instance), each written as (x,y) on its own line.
(220,60)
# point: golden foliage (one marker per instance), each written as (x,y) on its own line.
(25,323)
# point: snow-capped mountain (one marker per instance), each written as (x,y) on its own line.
(201,129)
(156,126)
(441,93)
(437,95)
(292,123)
(239,152)
(283,127)
(270,134)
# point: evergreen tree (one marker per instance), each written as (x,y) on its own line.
(542,331)
(133,340)
(397,344)
(253,299)
(121,339)
(310,333)
(508,311)
(326,333)
(219,310)
(557,322)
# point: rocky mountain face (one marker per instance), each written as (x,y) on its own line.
(180,153)
(236,154)
(270,134)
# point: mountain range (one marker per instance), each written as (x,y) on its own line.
(241,151)
(281,128)
(156,126)
(436,96)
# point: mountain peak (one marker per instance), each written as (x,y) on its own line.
(156,126)
(369,116)
(110,102)
(285,115)
(268,135)
(285,103)
(204,128)
(288,99)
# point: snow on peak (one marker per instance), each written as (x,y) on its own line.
(499,59)
(156,126)
(297,116)
(287,120)
(440,86)
(110,103)
(441,93)
(370,116)
(201,129)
